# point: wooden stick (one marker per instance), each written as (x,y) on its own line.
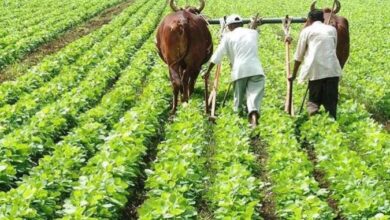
(289,96)
(213,95)
(226,94)
(216,83)
(303,101)
(206,91)
(331,13)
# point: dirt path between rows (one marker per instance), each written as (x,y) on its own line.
(319,176)
(384,122)
(138,193)
(12,71)
(268,207)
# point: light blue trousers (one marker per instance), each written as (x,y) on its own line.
(250,89)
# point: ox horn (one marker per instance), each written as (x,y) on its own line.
(338,7)
(202,4)
(173,5)
(313,6)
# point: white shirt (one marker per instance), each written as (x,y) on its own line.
(241,47)
(317,47)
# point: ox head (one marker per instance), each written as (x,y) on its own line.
(327,10)
(191,9)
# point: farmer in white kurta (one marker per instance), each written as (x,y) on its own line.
(241,47)
(317,48)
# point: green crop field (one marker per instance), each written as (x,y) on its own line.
(85,131)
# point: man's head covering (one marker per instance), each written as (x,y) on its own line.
(233,19)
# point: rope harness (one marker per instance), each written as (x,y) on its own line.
(286,24)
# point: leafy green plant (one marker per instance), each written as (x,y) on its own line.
(38,138)
(297,194)
(80,51)
(108,178)
(23,36)
(176,179)
(355,185)
(56,173)
(234,192)
(13,116)
(366,137)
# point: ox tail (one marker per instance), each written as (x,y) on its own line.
(181,28)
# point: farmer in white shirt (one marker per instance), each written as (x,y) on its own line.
(241,47)
(317,47)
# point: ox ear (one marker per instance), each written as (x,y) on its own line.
(202,5)
(338,7)
(313,6)
(173,5)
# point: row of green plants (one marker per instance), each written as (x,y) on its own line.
(107,182)
(18,43)
(366,137)
(234,191)
(23,146)
(297,195)
(78,53)
(22,10)
(366,75)
(359,132)
(13,116)
(40,194)
(357,187)
(12,9)
(30,19)
(176,180)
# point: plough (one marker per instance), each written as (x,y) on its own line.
(286,22)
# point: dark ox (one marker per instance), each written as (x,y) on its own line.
(184,43)
(342,27)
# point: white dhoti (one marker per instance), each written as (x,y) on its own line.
(250,89)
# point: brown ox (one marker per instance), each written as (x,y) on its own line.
(342,27)
(184,43)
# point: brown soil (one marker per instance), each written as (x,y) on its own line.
(12,71)
(268,208)
(138,192)
(381,119)
(204,210)
(387,126)
(319,176)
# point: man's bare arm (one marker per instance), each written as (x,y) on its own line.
(297,64)
(207,74)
